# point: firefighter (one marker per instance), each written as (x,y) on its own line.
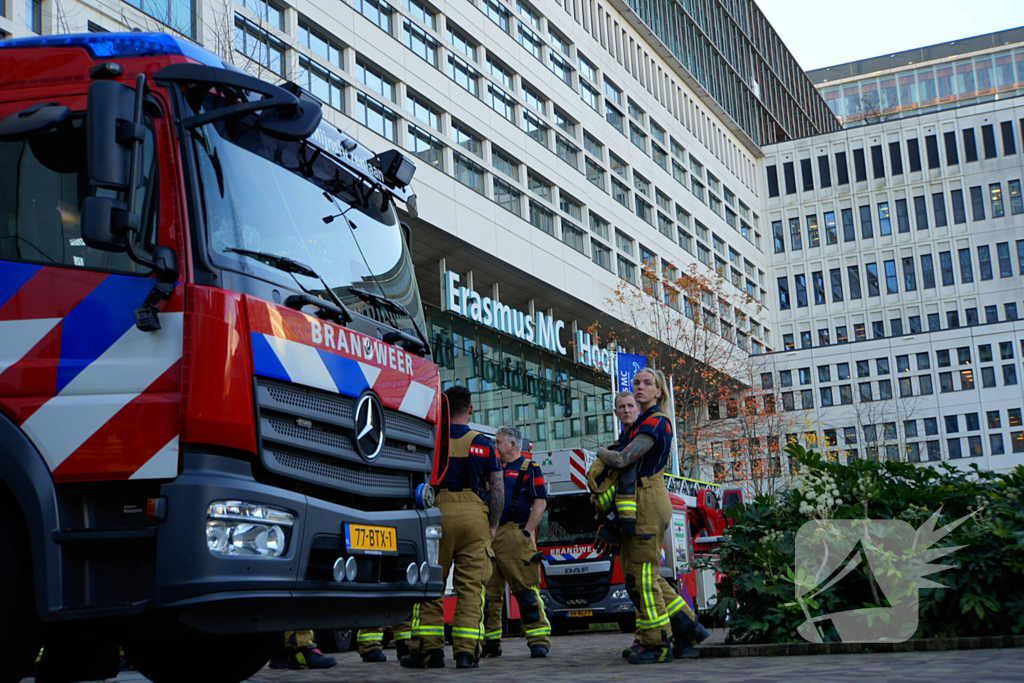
(468,525)
(371,642)
(649,446)
(300,652)
(686,630)
(517,561)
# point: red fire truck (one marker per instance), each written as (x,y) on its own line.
(218,415)
(580,587)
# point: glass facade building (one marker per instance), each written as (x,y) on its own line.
(556,402)
(738,58)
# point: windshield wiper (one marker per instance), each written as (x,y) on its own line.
(289,265)
(419,346)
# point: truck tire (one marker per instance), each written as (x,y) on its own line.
(19,627)
(331,640)
(201,658)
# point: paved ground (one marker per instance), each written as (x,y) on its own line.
(588,657)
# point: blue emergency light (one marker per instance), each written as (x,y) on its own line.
(121,45)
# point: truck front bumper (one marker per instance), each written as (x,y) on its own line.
(614,606)
(226,594)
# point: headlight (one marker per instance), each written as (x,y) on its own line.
(620,595)
(432,536)
(236,528)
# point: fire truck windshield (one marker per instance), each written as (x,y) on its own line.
(267,195)
(569,519)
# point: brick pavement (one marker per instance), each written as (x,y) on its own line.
(589,657)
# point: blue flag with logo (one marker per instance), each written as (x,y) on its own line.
(629,365)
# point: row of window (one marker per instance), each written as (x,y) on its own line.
(896,327)
(812,233)
(951,156)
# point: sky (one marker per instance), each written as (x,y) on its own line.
(838,32)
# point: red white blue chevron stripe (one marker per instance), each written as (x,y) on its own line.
(79,377)
(295,347)
(572,552)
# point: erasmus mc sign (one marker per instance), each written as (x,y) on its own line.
(540,329)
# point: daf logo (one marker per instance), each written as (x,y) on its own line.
(576,601)
(369,431)
(577,570)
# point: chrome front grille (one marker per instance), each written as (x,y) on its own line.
(306,434)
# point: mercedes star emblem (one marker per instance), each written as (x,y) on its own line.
(369,432)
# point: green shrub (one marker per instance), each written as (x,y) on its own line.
(985,594)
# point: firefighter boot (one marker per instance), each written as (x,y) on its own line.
(653,654)
(492,648)
(431,659)
(686,633)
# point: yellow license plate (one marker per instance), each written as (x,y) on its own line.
(580,613)
(371,540)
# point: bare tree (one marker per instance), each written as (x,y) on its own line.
(875,107)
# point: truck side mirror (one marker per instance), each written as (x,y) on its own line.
(110,135)
(98,217)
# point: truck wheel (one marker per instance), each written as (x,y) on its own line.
(202,658)
(627,624)
(331,640)
(19,627)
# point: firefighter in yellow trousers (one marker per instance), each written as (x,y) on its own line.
(648,445)
(517,561)
(371,642)
(467,526)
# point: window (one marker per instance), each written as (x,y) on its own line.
(966,274)
(421,43)
(924,385)
(1011,310)
(457,40)
(620,193)
(542,218)
(977,204)
(946,265)
(914,155)
(378,83)
(921,213)
(1003,254)
(601,255)
(508,197)
(531,41)
(848,230)
(323,47)
(800,285)
(468,173)
(853,276)
(422,110)
(376,117)
(812,231)
(915,324)
(956,197)
(573,236)
(877,163)
(865,392)
(830,228)
(1016,200)
(995,193)
(1009,375)
(818,282)
(425,146)
(866,230)
(567,152)
(891,279)
(988,141)
(257,44)
(842,170)
(627,270)
(466,139)
(984,262)
(806,175)
(539,186)
(501,102)
(860,170)
(784,293)
(595,174)
(872,273)
(504,163)
(939,209)
(927,271)
(535,128)
(322,83)
(464,75)
(877,329)
(952,158)
(884,390)
(560,67)
(497,13)
(795,243)
(971,146)
(377,11)
(902,219)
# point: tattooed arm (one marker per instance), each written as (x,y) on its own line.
(497,482)
(633,451)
